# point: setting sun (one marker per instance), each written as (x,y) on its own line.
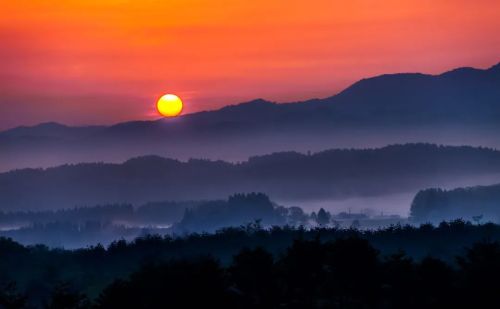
(169,105)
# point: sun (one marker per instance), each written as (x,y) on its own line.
(169,105)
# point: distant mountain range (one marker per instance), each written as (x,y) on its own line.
(461,106)
(331,174)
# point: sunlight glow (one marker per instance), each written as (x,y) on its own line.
(169,105)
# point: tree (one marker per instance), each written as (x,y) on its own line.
(177,284)
(480,270)
(296,216)
(353,272)
(65,297)
(10,298)
(323,217)
(355,224)
(253,273)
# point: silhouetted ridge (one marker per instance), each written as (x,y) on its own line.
(495,68)
(385,84)
(459,107)
(336,173)
(50,130)
(41,126)
(150,160)
(50,125)
(388,86)
(463,71)
(256,103)
(139,128)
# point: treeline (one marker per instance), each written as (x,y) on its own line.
(84,226)
(161,213)
(190,216)
(287,175)
(241,209)
(345,273)
(81,227)
(480,204)
(106,275)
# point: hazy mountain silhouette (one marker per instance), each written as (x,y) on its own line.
(286,175)
(461,106)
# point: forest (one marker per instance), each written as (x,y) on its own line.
(249,154)
(251,267)
(85,226)
(334,173)
(479,203)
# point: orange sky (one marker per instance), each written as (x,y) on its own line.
(105,61)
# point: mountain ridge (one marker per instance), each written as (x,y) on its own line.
(263,103)
(331,174)
(460,106)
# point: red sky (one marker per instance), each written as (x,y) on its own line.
(105,61)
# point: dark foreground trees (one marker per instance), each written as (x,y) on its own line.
(10,298)
(182,284)
(324,268)
(346,273)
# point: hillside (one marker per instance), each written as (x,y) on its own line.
(480,203)
(338,173)
(457,107)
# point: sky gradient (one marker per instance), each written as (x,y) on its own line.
(105,61)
